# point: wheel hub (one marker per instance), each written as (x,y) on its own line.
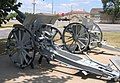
(76,38)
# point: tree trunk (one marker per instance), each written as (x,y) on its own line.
(113,19)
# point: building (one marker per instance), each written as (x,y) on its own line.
(95,13)
(75,15)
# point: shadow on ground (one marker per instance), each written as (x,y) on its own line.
(10,73)
(40,74)
(2,45)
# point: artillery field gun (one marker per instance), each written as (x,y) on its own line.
(38,35)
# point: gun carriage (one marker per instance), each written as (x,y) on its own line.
(37,34)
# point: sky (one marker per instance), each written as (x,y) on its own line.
(59,6)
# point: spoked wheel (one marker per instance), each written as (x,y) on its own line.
(55,34)
(95,36)
(76,37)
(20,47)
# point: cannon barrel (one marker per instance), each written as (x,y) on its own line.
(20,17)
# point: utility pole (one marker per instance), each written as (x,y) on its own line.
(71,9)
(52,6)
(70,14)
(34,6)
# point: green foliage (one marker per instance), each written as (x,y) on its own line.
(26,13)
(7,6)
(11,15)
(112,7)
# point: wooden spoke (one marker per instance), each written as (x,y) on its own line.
(19,36)
(79,33)
(71,43)
(27,47)
(83,39)
(83,34)
(24,56)
(17,46)
(69,40)
(81,43)
(16,37)
(27,53)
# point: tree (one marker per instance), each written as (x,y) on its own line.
(7,6)
(26,13)
(112,7)
(11,15)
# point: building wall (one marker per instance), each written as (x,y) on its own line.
(105,18)
(77,17)
(95,17)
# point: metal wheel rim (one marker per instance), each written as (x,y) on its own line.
(18,50)
(97,36)
(82,37)
(56,34)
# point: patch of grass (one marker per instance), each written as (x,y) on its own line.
(112,38)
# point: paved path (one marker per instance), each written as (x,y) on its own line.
(105,27)
(4,32)
(110,27)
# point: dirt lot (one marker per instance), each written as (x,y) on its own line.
(50,73)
